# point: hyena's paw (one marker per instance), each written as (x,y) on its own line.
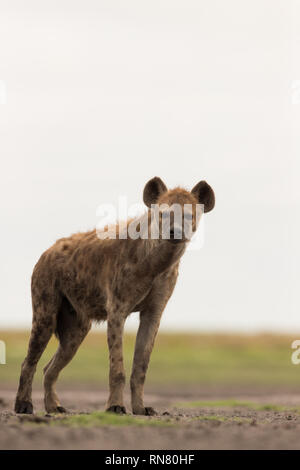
(23,407)
(57,409)
(61,409)
(147,411)
(120,410)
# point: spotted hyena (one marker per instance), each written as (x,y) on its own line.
(85,278)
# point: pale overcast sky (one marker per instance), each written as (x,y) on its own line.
(101,95)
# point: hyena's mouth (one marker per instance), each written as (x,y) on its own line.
(175,239)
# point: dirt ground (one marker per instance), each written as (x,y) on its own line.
(183,427)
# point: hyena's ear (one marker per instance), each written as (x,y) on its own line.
(153,189)
(205,195)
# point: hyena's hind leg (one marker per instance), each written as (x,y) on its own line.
(43,324)
(71,331)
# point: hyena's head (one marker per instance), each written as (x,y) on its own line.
(176,212)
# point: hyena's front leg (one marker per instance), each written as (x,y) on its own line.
(115,327)
(149,324)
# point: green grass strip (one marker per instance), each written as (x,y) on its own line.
(236,404)
(103,418)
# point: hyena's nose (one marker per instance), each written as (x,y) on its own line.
(175,234)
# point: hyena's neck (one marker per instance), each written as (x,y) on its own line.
(157,256)
(154,256)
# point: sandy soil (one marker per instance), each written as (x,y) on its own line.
(194,428)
